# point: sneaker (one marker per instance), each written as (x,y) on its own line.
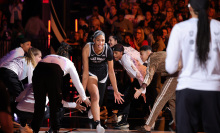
(90,114)
(122,122)
(99,129)
(25,129)
(112,119)
(119,118)
(142,129)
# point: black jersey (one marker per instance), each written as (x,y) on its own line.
(99,60)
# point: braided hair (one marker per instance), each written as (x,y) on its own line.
(64,50)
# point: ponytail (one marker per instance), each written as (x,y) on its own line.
(203,30)
(29,57)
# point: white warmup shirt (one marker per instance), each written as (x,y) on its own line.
(133,67)
(11,55)
(21,68)
(68,67)
(182,46)
(133,53)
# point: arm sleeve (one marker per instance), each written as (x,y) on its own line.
(151,69)
(109,54)
(68,104)
(13,54)
(173,51)
(127,64)
(76,81)
(30,73)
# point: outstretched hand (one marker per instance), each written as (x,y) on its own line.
(80,108)
(87,102)
(79,100)
(118,97)
(137,93)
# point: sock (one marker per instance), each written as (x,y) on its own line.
(96,123)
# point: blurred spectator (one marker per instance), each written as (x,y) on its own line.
(128,40)
(35,28)
(122,25)
(181,11)
(157,25)
(2,18)
(149,5)
(16,11)
(94,25)
(165,36)
(134,17)
(211,13)
(82,23)
(169,16)
(95,14)
(124,6)
(83,34)
(147,21)
(17,29)
(159,44)
(5,33)
(109,3)
(173,22)
(156,14)
(144,6)
(161,5)
(77,40)
(110,18)
(167,4)
(139,39)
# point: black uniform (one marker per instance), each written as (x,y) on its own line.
(98,66)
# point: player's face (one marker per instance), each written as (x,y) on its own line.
(117,55)
(112,42)
(144,55)
(99,42)
(25,46)
(38,57)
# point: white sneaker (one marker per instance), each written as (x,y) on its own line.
(25,129)
(119,118)
(100,129)
(90,114)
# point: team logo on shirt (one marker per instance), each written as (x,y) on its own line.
(217,33)
(191,33)
(191,42)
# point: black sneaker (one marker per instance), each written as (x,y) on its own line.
(122,123)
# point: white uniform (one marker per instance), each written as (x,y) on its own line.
(182,46)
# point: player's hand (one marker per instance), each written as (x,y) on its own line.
(118,97)
(80,108)
(87,102)
(79,100)
(144,97)
(137,93)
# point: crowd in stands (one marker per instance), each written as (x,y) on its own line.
(138,22)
